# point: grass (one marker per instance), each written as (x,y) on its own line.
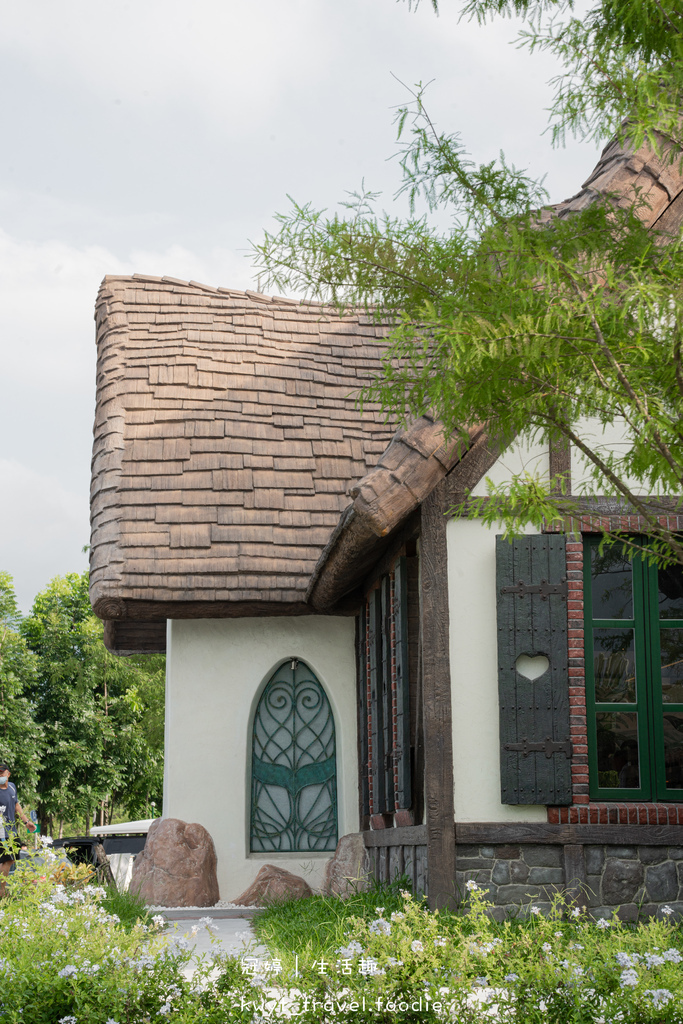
(128,906)
(318,925)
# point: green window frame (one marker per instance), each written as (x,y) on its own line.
(634,676)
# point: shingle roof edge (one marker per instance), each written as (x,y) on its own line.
(416,459)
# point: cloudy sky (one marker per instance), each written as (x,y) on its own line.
(159,137)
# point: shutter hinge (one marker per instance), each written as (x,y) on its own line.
(548,747)
(543,588)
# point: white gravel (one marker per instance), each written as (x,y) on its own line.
(221,905)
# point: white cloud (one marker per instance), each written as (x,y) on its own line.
(43,527)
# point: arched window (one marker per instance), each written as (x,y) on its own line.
(293,764)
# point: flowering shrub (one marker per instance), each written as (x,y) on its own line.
(65,960)
(414,965)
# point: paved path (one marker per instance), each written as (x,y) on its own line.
(231,935)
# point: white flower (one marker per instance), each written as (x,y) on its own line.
(666,909)
(546,947)
(405,894)
(111,1021)
(558,935)
(46,840)
(654,960)
(380,927)
(397,915)
(440,940)
(628,977)
(352,949)
(660,996)
(512,976)
(624,960)
(672,955)
(482,980)
(603,923)
(471,886)
(67,972)
(206,921)
(416,946)
(67,1020)
(379,910)
(158,921)
(575,912)
(535,910)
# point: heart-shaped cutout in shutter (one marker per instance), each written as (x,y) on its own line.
(532,667)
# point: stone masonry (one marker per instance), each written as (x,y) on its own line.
(639,880)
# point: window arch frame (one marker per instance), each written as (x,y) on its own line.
(283,764)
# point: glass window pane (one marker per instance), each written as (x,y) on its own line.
(614,666)
(670,586)
(673,749)
(612,584)
(671,643)
(618,759)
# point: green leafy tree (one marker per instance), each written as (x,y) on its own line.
(552,328)
(20,735)
(103,750)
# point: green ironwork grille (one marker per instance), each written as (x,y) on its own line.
(293,766)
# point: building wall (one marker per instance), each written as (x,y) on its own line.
(215,671)
(474,676)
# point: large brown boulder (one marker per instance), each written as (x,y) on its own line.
(349,869)
(177,867)
(272,885)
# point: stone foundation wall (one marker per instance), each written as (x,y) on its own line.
(637,879)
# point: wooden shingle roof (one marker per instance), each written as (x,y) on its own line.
(226,438)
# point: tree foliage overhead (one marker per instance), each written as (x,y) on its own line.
(621,61)
(538,324)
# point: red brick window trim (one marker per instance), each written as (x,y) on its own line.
(617,814)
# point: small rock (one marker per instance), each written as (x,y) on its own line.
(349,869)
(272,885)
(621,880)
(177,867)
(661,883)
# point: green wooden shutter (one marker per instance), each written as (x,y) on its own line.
(403,795)
(535,748)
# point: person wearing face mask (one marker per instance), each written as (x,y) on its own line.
(9,808)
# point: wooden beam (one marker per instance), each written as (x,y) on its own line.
(134,610)
(411,835)
(126,638)
(436,702)
(492,832)
(575,873)
(560,463)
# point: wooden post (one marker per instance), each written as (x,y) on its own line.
(575,874)
(436,703)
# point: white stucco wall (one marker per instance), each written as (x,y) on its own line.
(603,439)
(215,671)
(474,676)
(523,456)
